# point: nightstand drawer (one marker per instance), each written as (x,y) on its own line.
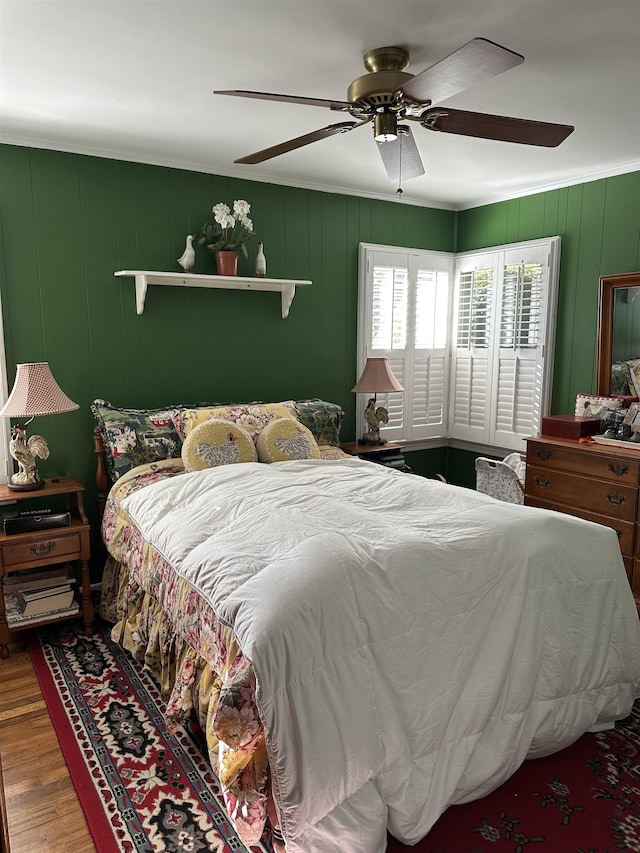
(43,548)
(584,493)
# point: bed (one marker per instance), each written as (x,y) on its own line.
(363,648)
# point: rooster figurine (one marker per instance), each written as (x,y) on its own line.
(24,452)
(374,417)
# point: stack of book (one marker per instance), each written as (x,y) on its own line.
(392,458)
(39,595)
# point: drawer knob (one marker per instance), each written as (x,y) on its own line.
(544,454)
(617,469)
(41,549)
(542,482)
(616,499)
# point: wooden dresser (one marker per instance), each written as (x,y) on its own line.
(593,481)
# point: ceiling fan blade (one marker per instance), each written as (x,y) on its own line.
(288,99)
(502,128)
(298,142)
(401,157)
(476,61)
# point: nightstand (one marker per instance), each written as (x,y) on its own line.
(389,454)
(46,547)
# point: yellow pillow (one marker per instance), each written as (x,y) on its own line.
(285,439)
(253,417)
(217,442)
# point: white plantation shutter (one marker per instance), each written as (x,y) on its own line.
(519,374)
(404,303)
(501,353)
(471,350)
(475,359)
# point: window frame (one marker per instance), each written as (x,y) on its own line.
(547,250)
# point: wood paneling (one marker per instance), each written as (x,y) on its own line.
(70,221)
(599,223)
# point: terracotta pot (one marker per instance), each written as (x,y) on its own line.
(227,263)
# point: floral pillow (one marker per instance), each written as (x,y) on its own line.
(253,417)
(322,418)
(284,440)
(134,436)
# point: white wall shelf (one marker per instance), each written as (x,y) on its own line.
(143,278)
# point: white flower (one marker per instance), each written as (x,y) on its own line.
(241,207)
(229,231)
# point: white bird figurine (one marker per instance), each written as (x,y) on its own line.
(188,256)
(24,452)
(261,262)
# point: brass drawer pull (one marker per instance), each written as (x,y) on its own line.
(41,549)
(618,470)
(618,500)
(545,455)
(542,482)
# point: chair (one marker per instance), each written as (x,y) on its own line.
(503,480)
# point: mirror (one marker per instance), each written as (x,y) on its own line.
(618,329)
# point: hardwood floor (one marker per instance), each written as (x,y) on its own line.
(43,811)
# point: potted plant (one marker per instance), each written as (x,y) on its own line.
(227,235)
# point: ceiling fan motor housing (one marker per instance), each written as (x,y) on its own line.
(385,77)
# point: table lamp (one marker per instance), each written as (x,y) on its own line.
(377,378)
(35,392)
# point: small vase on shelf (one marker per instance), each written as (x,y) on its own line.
(261,262)
(226,262)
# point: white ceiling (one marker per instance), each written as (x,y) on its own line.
(134,80)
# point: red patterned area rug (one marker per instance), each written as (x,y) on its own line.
(144,790)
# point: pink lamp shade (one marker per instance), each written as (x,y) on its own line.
(35,392)
(377,377)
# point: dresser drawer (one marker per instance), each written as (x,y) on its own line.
(625,530)
(583,461)
(24,554)
(582,493)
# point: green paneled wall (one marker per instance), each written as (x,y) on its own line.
(70,221)
(599,223)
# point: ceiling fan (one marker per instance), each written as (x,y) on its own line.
(387,96)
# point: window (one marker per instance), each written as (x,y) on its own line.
(403,314)
(468,337)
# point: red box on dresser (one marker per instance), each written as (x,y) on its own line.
(570,426)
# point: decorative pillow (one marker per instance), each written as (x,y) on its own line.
(322,418)
(217,442)
(134,436)
(591,406)
(285,439)
(250,416)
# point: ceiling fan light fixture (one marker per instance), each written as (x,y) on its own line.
(385,127)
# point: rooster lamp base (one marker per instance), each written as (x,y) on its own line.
(24,452)
(374,416)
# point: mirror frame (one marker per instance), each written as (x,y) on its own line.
(609,285)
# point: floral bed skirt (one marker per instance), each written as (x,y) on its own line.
(196,660)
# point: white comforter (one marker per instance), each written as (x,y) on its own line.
(413,642)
